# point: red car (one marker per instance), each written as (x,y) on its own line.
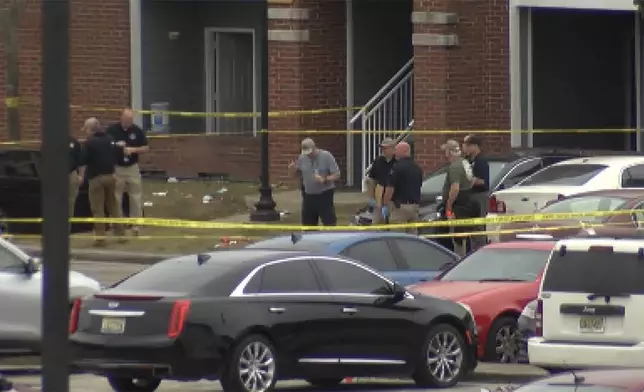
(496,282)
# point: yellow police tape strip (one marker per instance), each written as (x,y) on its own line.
(357,132)
(244,239)
(179,113)
(188,224)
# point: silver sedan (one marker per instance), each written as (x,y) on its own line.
(21,299)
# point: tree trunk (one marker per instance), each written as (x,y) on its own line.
(10,20)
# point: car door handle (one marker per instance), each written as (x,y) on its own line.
(349,310)
(277,310)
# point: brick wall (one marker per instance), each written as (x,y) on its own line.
(467,86)
(308,75)
(100,65)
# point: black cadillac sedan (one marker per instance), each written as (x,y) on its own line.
(251,317)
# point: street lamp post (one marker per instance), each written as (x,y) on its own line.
(265,207)
(55,150)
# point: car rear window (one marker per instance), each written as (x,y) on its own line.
(597,272)
(586,204)
(499,264)
(181,275)
(567,174)
(286,243)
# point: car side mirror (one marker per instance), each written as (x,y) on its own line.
(399,291)
(32,266)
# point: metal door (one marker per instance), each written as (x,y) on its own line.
(234,81)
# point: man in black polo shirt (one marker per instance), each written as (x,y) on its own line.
(403,188)
(480,182)
(132,140)
(377,179)
(99,158)
(76,174)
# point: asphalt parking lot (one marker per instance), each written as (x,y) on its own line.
(87,383)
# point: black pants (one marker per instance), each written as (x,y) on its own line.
(320,207)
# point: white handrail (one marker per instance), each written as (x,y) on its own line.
(376,97)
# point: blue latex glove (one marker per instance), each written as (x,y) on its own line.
(385,211)
(372,203)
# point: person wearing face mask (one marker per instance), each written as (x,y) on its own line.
(377,180)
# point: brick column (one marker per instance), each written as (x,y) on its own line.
(461,72)
(307,71)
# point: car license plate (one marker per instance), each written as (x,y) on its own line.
(592,324)
(112,325)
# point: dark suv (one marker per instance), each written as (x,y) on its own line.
(20,192)
(506,170)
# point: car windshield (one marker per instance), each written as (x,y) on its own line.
(585,204)
(286,243)
(547,387)
(567,174)
(499,264)
(433,184)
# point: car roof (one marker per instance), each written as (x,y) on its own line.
(530,245)
(628,245)
(333,236)
(623,193)
(620,378)
(603,160)
(241,257)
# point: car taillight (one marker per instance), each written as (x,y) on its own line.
(496,206)
(74,315)
(538,318)
(178,317)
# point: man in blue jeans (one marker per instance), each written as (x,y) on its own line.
(319,171)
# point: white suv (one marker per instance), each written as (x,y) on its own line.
(590,311)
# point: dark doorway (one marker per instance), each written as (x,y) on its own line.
(583,77)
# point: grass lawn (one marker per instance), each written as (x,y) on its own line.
(184,200)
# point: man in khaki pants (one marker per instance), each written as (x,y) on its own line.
(403,188)
(377,179)
(98,155)
(132,141)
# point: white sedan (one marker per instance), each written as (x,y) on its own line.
(564,179)
(20,299)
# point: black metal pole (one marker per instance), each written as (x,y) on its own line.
(265,207)
(55,152)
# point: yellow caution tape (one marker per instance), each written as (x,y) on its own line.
(190,224)
(179,113)
(357,132)
(232,240)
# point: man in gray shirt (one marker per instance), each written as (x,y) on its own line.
(319,171)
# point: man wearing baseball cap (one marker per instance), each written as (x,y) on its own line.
(377,180)
(319,171)
(457,192)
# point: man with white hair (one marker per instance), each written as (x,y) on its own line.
(457,192)
(319,171)
(99,158)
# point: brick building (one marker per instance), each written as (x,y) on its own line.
(445,64)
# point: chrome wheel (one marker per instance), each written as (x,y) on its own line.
(445,356)
(256,367)
(507,344)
